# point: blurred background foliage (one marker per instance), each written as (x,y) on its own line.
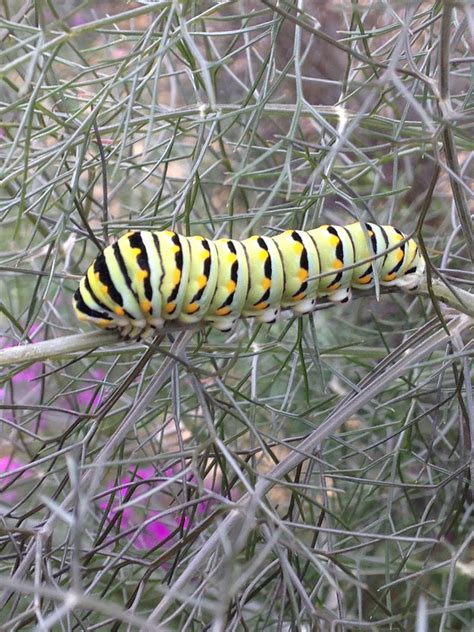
(120,471)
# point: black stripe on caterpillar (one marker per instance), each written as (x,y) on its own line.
(146,278)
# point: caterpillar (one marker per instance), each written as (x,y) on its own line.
(146,278)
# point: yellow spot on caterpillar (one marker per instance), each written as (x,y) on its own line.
(103,323)
(231,257)
(103,288)
(175,248)
(302,274)
(261,305)
(81,316)
(334,287)
(136,251)
(202,281)
(169,308)
(399,254)
(223,311)
(365,279)
(370,233)
(390,277)
(119,311)
(324,226)
(141,275)
(145,305)
(299,297)
(191,308)
(266,283)
(334,240)
(337,265)
(298,247)
(176,276)
(168,233)
(263,255)
(205,254)
(231,286)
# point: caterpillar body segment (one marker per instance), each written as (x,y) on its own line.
(230,291)
(202,280)
(147,277)
(302,267)
(266,279)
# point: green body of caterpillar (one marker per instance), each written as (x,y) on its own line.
(146,278)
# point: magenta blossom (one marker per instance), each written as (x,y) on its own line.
(33,371)
(155,531)
(91,397)
(25,389)
(9,485)
(132,518)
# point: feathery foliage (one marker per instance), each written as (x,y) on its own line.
(316,474)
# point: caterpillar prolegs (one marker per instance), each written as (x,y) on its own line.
(146,278)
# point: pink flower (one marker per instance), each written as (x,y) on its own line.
(30,373)
(141,522)
(91,397)
(27,375)
(9,484)
(78,19)
(26,389)
(133,518)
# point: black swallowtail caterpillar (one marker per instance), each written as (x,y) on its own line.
(146,278)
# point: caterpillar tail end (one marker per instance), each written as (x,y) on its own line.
(412,280)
